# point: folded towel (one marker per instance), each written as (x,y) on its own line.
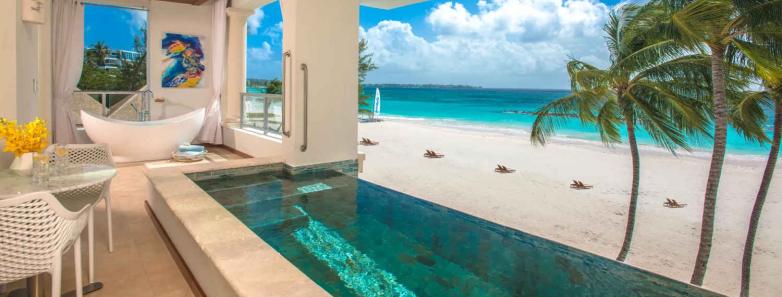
(189,154)
(190,148)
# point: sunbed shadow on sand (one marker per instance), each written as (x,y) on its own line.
(367,142)
(433,155)
(579,185)
(503,169)
(672,203)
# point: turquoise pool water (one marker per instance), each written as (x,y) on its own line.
(355,238)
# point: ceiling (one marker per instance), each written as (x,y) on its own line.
(389,4)
(192,2)
(385,4)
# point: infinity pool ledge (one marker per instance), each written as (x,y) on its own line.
(225,257)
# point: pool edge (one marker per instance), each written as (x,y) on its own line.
(226,257)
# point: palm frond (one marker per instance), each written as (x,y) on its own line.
(767,67)
(650,56)
(703,20)
(554,114)
(758,14)
(658,125)
(584,76)
(608,121)
(748,114)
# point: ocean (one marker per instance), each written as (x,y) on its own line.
(500,110)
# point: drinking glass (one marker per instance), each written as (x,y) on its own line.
(41,168)
(61,160)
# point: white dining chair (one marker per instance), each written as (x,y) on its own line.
(35,231)
(97,154)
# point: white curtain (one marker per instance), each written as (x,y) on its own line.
(212,131)
(67,56)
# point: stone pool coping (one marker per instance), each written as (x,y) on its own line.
(224,255)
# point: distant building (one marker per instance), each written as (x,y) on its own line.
(116,57)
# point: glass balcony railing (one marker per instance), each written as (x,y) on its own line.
(121,105)
(262,113)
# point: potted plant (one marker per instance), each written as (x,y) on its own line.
(23,141)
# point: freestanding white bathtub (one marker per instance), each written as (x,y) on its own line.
(143,141)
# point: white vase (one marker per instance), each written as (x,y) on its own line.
(23,163)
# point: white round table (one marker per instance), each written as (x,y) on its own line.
(13,183)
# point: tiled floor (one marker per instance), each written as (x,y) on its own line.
(141,264)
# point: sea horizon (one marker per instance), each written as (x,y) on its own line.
(507,110)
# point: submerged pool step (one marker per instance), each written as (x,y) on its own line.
(274,189)
(263,214)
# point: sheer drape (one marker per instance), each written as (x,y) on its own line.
(212,131)
(67,56)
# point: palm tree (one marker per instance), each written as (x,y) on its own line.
(365,65)
(773,98)
(718,25)
(99,52)
(767,66)
(651,83)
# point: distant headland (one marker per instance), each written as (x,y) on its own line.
(422,86)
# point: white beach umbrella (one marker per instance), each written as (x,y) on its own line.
(376,109)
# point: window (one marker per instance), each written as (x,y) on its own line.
(262,104)
(115,61)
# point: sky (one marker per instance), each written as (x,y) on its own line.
(114,26)
(488,43)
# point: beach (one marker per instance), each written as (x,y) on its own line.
(537,198)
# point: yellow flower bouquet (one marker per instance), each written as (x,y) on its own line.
(22,139)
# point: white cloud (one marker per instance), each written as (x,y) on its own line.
(274,32)
(506,43)
(137,20)
(262,53)
(254,21)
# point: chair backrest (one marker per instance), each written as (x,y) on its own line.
(99,154)
(33,228)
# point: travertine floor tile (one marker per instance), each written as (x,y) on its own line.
(141,265)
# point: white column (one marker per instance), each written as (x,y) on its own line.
(324,35)
(236,67)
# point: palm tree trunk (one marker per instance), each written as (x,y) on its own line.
(717,159)
(634,189)
(746,261)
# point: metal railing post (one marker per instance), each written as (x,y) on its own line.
(103,104)
(265,115)
(242,111)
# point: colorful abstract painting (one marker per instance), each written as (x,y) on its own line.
(183,66)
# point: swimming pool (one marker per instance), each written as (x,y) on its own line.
(355,238)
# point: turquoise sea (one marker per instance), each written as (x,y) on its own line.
(498,110)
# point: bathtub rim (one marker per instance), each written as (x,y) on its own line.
(171,120)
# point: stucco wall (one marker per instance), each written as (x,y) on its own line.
(21,78)
(8,71)
(324,35)
(166,17)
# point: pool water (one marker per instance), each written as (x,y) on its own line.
(355,238)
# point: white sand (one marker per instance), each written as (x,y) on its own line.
(537,199)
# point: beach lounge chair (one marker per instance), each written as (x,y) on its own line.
(367,141)
(672,203)
(503,169)
(579,185)
(433,155)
